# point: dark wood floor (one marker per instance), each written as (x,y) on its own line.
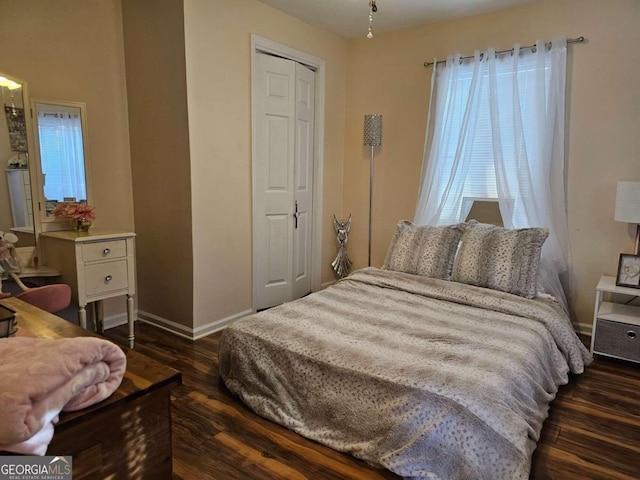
(593,430)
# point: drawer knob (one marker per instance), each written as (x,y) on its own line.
(631,334)
(106,252)
(108,278)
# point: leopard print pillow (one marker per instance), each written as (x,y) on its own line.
(423,250)
(500,258)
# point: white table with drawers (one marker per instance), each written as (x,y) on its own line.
(616,324)
(97,264)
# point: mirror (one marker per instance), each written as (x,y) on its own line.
(16,212)
(60,130)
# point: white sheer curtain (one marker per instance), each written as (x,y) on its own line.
(62,154)
(498,133)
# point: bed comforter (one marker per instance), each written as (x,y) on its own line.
(428,378)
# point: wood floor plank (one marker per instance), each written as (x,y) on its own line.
(252,457)
(308,451)
(550,433)
(592,433)
(554,464)
(596,417)
(608,453)
(612,445)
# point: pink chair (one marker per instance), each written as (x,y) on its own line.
(52,298)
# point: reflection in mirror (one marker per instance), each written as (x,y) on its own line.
(16,208)
(60,130)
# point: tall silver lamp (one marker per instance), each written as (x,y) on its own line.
(372,138)
(628,206)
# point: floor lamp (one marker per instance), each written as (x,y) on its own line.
(372,138)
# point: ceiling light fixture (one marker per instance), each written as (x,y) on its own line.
(372,9)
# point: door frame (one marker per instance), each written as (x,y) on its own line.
(261,44)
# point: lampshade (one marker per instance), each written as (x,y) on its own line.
(373,130)
(484,211)
(628,202)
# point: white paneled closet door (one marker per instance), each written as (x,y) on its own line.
(283,112)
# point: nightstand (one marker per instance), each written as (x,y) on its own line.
(616,326)
(97,264)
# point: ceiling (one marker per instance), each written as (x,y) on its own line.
(350,18)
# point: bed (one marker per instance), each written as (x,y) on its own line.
(427,377)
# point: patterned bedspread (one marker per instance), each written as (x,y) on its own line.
(427,378)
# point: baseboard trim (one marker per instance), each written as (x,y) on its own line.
(327,284)
(187,332)
(116,320)
(583,328)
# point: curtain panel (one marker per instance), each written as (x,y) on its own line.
(498,133)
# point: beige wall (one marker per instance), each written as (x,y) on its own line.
(73,50)
(159,131)
(386,75)
(218,57)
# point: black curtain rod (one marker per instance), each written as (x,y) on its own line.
(510,50)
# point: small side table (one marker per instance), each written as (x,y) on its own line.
(97,264)
(616,326)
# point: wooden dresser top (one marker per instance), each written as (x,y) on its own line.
(143,374)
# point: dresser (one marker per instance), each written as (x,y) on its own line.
(128,435)
(97,264)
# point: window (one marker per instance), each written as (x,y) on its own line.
(498,133)
(480,109)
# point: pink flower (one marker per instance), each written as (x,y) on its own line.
(80,211)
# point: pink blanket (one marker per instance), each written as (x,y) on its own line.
(39,378)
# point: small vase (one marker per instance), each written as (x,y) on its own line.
(80,224)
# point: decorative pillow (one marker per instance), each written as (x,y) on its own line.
(424,250)
(500,258)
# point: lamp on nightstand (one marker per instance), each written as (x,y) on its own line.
(628,205)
